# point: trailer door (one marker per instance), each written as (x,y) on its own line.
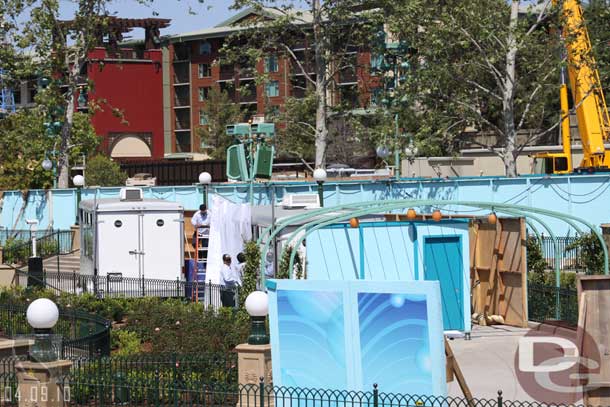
(120,247)
(162,242)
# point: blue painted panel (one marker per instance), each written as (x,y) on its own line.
(388,253)
(333,254)
(443,262)
(348,335)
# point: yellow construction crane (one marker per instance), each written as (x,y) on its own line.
(588,98)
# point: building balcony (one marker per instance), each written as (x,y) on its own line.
(227,72)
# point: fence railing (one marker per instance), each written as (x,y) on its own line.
(568,259)
(115,286)
(82,334)
(56,243)
(551,303)
(20,234)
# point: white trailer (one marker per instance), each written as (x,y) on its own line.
(132,237)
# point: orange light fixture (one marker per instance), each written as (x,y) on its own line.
(354,222)
(436,215)
(492,218)
(411,214)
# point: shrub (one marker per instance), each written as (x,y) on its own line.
(104,172)
(124,343)
(591,256)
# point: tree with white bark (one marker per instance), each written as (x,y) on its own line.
(490,65)
(319,41)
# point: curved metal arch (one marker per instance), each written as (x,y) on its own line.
(372,206)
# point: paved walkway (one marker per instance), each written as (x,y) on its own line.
(487,362)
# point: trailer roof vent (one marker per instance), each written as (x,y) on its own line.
(132,194)
(301,201)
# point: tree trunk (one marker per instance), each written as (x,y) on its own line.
(321,87)
(508,108)
(63,160)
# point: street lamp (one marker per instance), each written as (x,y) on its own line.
(319,175)
(42,315)
(257,305)
(78,182)
(48,165)
(205,179)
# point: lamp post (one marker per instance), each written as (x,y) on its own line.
(42,315)
(48,165)
(205,179)
(257,305)
(78,182)
(319,175)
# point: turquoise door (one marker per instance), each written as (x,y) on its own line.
(443,263)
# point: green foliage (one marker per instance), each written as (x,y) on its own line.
(24,145)
(102,171)
(219,111)
(461,75)
(17,251)
(284,268)
(251,271)
(591,256)
(125,342)
(535,262)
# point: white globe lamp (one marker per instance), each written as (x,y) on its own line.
(382,152)
(319,175)
(257,305)
(78,181)
(42,315)
(47,164)
(205,178)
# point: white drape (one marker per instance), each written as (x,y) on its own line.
(230,228)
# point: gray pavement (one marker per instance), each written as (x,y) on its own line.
(487,362)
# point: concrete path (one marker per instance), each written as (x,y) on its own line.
(487,362)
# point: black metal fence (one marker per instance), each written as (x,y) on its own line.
(116,286)
(16,251)
(20,234)
(551,303)
(82,334)
(170,172)
(568,259)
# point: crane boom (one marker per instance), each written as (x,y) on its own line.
(587,95)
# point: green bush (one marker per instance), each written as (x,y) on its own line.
(104,172)
(591,256)
(124,343)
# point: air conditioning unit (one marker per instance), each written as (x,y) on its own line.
(301,201)
(131,194)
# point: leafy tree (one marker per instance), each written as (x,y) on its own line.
(597,20)
(61,53)
(251,271)
(219,111)
(487,65)
(103,172)
(331,29)
(24,145)
(591,253)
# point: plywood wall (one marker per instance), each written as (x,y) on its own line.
(498,269)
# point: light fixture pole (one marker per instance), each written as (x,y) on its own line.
(42,315)
(257,305)
(78,182)
(205,179)
(49,165)
(319,175)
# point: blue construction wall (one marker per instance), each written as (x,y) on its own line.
(383,251)
(586,196)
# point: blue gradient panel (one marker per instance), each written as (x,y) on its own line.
(349,335)
(311,326)
(394,343)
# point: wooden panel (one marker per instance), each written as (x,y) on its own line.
(498,270)
(594,323)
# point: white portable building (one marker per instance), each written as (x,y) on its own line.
(132,237)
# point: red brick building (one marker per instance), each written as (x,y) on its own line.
(195,66)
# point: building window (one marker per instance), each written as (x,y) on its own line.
(376,96)
(376,62)
(273,88)
(203,120)
(205,48)
(203,93)
(205,71)
(271,64)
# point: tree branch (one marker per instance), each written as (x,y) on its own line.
(299,64)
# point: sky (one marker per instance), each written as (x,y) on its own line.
(186,15)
